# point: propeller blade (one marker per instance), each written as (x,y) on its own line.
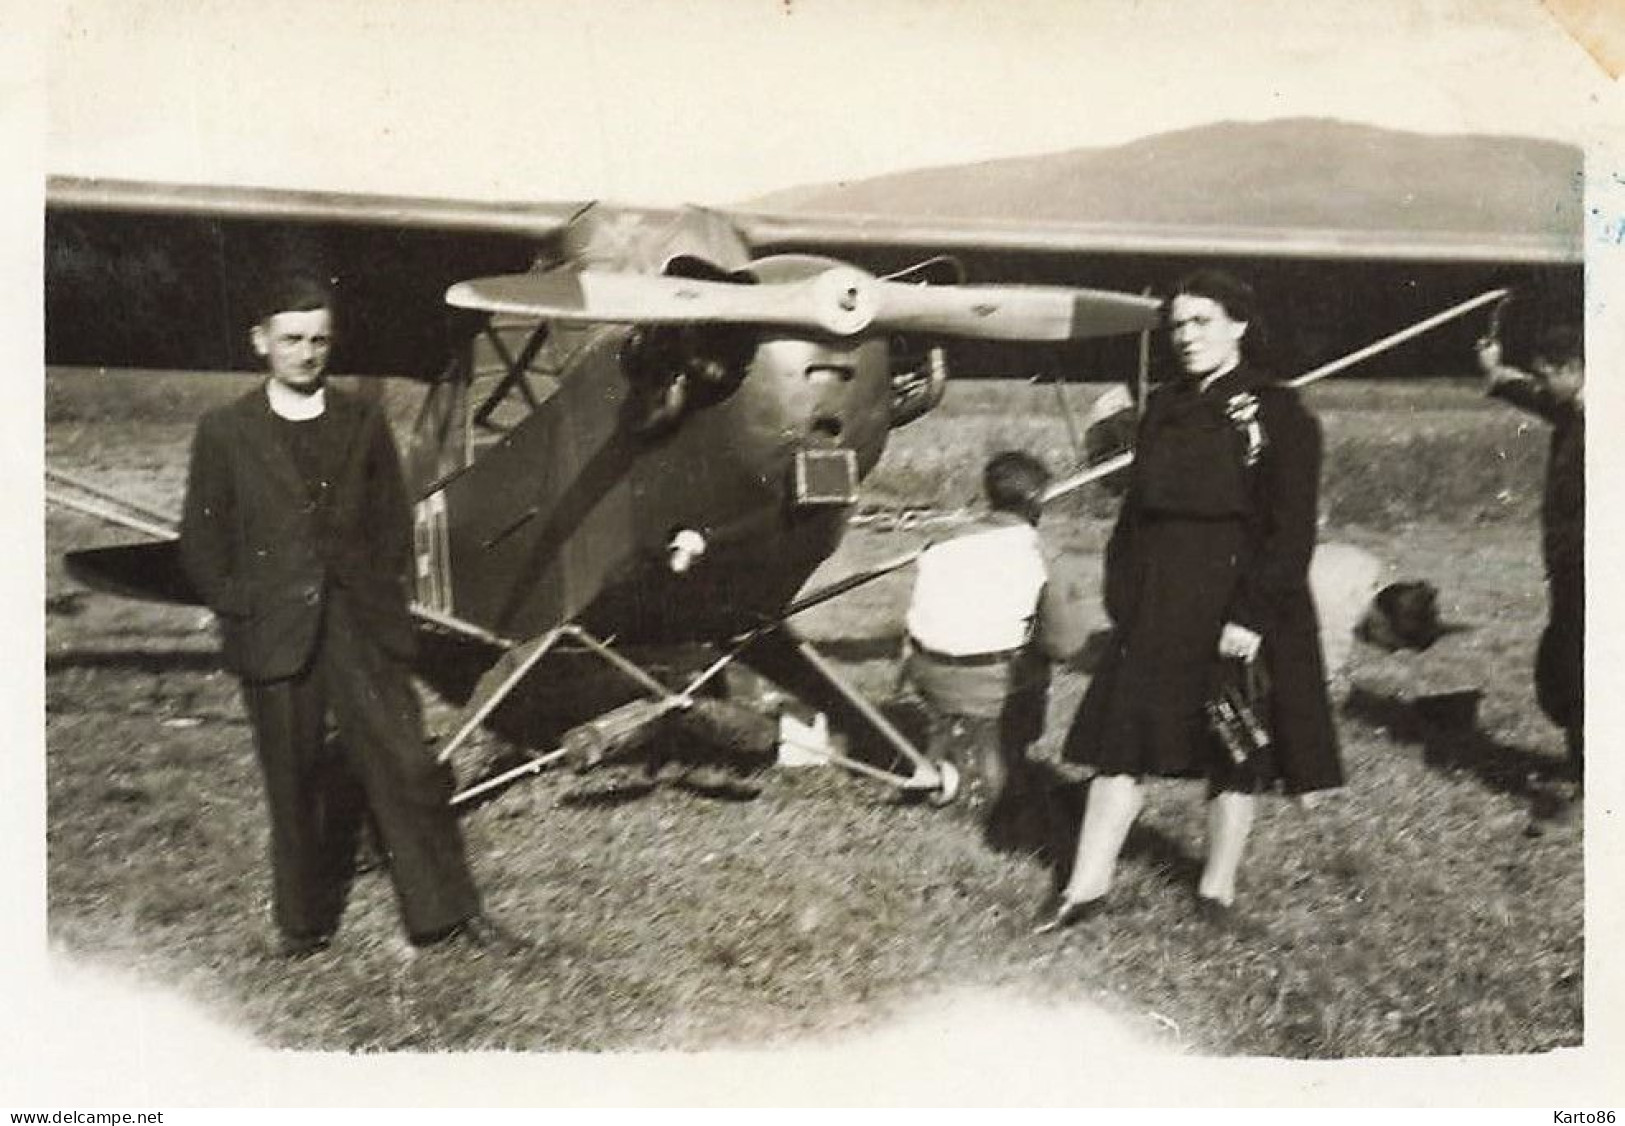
(1013,312)
(841,301)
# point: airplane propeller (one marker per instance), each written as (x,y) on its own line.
(840,301)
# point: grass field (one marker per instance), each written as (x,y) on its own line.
(1410,917)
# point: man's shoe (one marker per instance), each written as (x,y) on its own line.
(297,947)
(481,933)
(1555,811)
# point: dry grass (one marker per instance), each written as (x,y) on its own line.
(1410,918)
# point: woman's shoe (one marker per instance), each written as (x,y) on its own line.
(1072,912)
(1224,917)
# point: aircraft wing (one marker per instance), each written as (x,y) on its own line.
(837,233)
(1327,288)
(164,276)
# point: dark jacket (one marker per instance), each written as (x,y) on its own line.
(266,553)
(1218,525)
(1202,474)
(1563,507)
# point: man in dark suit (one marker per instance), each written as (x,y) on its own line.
(298,535)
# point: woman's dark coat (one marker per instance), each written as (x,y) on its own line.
(1204,538)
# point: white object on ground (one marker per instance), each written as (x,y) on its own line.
(803,744)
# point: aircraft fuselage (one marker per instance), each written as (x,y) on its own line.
(588,511)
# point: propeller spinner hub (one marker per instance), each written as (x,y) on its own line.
(846,299)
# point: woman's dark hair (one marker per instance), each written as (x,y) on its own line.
(1014,482)
(1235,297)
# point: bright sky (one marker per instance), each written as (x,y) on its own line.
(718,100)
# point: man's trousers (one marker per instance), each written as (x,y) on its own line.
(318,791)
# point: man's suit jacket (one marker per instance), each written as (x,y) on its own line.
(266,555)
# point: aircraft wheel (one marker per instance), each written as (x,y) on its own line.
(948,789)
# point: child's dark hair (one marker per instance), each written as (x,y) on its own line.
(1014,481)
(292,292)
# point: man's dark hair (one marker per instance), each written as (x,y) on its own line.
(294,291)
(1014,482)
(1560,344)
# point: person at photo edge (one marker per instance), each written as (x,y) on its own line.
(297,534)
(1208,562)
(1555,391)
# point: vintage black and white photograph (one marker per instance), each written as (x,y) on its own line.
(959,553)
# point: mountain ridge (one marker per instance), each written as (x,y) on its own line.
(1287,172)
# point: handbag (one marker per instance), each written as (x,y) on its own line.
(1236,708)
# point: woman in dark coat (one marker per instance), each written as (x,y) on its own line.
(1208,562)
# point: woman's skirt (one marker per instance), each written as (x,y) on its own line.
(1144,712)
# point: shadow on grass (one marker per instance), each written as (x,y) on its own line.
(134,660)
(1040,819)
(610,796)
(1151,845)
(1448,746)
(708,770)
(1037,816)
(710,762)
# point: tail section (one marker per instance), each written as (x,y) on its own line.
(148,571)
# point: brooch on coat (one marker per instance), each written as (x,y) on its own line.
(1242,409)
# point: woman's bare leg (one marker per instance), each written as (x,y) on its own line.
(1229,821)
(1114,802)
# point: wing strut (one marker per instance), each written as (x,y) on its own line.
(1332,367)
(937,780)
(83,497)
(1394,339)
(586,741)
(1121,461)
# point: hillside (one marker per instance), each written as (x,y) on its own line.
(1298,172)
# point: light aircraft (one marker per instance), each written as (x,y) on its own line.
(642,430)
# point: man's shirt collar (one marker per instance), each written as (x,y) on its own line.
(293,406)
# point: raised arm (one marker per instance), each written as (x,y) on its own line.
(1515,386)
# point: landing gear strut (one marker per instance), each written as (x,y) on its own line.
(590,743)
